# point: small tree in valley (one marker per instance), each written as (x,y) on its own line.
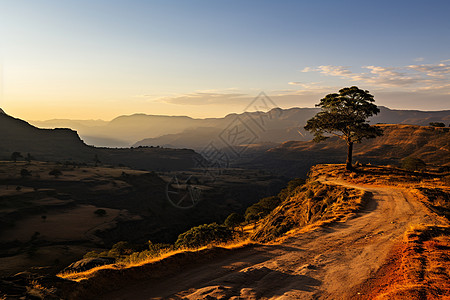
(15,156)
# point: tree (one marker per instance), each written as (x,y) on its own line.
(345,116)
(15,156)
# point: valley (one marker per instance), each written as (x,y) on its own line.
(229,150)
(52,220)
(341,259)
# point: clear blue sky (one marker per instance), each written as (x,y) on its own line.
(100,59)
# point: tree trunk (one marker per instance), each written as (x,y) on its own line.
(349,156)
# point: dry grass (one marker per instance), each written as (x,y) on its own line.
(314,204)
(382,176)
(418,267)
(425,264)
(79,276)
(39,291)
(95,282)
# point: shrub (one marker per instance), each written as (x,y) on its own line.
(413,164)
(120,249)
(92,254)
(261,208)
(100,212)
(156,249)
(25,173)
(437,124)
(203,235)
(290,188)
(55,172)
(234,220)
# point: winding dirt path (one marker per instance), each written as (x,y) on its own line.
(326,263)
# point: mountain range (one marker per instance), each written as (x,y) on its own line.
(275,126)
(64,144)
(273,141)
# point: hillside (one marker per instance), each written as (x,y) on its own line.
(387,242)
(280,125)
(45,144)
(294,158)
(275,126)
(65,145)
(61,209)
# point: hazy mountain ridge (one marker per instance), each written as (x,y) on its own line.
(278,125)
(18,135)
(65,145)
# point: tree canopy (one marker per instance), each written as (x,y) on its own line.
(345,115)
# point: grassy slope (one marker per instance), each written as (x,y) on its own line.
(314,203)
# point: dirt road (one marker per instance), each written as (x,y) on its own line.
(326,263)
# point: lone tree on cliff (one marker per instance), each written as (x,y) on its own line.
(345,115)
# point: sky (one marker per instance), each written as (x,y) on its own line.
(99,59)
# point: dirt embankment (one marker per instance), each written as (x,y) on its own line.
(343,260)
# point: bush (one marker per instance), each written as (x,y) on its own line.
(413,164)
(92,254)
(234,220)
(100,212)
(55,172)
(203,235)
(261,208)
(25,173)
(156,249)
(290,188)
(120,249)
(437,124)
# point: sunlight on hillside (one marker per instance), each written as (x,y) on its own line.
(79,276)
